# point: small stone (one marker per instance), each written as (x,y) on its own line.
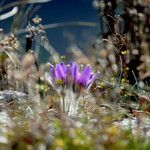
(10,96)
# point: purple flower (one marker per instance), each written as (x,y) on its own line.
(71,75)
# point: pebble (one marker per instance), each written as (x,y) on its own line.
(10,95)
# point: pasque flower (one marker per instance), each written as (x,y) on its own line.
(72,75)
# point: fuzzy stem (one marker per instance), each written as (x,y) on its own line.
(63,103)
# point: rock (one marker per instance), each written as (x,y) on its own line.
(5,122)
(10,96)
(5,119)
(141,125)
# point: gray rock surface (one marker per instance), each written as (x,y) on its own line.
(10,95)
(136,124)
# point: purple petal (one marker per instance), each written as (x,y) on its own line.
(68,76)
(60,72)
(68,70)
(75,72)
(52,71)
(85,76)
(93,78)
(63,67)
